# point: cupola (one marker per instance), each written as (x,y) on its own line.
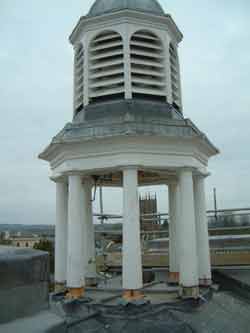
(126,50)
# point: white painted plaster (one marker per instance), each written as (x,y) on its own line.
(61,232)
(204,265)
(188,247)
(173,195)
(131,261)
(89,239)
(76,255)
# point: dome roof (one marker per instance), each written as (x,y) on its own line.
(101,7)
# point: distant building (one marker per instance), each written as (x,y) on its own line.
(6,235)
(24,241)
(148,212)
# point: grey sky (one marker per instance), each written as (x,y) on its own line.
(36,96)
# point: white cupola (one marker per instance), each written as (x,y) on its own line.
(128,131)
(126,50)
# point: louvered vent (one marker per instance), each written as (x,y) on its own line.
(106,67)
(175,76)
(79,78)
(147,66)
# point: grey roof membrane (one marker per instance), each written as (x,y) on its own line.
(24,277)
(222,313)
(22,266)
(101,7)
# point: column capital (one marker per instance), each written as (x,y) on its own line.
(59,179)
(73,173)
(186,169)
(130,167)
(202,175)
(84,177)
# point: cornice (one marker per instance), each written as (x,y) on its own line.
(173,130)
(126,16)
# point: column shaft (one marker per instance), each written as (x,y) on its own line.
(204,265)
(173,235)
(132,262)
(90,267)
(61,234)
(188,249)
(75,269)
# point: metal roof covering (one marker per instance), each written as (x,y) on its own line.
(101,7)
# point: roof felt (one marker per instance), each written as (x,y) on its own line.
(223,313)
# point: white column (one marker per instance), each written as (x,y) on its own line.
(204,265)
(173,195)
(61,234)
(188,250)
(75,267)
(89,237)
(131,261)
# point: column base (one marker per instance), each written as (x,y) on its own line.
(132,295)
(91,282)
(59,287)
(189,292)
(75,293)
(173,277)
(205,282)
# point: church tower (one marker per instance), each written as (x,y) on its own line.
(129,130)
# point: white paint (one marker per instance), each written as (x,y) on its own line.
(188,249)
(90,25)
(163,152)
(75,265)
(168,70)
(131,260)
(204,265)
(126,25)
(61,232)
(89,234)
(127,64)
(173,196)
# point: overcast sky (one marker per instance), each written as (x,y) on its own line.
(36,97)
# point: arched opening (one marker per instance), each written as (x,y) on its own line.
(26,244)
(106,67)
(78,78)
(147,66)
(18,244)
(175,76)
